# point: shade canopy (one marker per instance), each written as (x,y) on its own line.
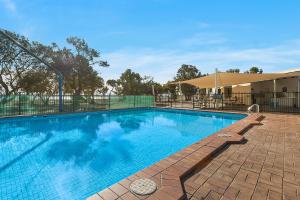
(228,79)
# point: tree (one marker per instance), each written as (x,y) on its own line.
(14,63)
(148,83)
(187,72)
(255,70)
(35,81)
(129,83)
(40,80)
(169,88)
(20,72)
(114,84)
(103,90)
(132,83)
(236,70)
(82,78)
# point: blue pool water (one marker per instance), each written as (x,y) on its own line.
(72,156)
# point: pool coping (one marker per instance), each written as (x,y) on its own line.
(169,172)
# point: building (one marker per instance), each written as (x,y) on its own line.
(269,89)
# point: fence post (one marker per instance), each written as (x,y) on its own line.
(19,106)
(214,99)
(60,93)
(86,102)
(153,101)
(222,101)
(109,101)
(134,101)
(73,100)
(193,101)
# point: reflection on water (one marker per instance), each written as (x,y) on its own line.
(73,156)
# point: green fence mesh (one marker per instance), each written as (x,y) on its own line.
(33,104)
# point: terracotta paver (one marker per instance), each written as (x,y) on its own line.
(266,167)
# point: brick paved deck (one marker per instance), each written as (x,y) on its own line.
(267,166)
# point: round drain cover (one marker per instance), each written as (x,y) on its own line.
(143,186)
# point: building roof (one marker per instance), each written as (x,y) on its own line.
(228,79)
(290,70)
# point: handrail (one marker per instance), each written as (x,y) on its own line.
(252,106)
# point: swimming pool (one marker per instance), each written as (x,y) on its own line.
(73,156)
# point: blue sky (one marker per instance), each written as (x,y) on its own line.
(154,37)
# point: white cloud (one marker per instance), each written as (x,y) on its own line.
(203,39)
(202,25)
(163,64)
(9,5)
